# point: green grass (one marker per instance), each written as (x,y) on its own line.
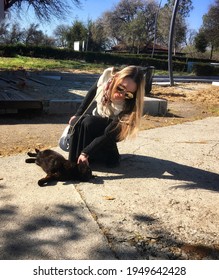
(175,73)
(29,63)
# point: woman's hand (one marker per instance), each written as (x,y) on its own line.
(83,158)
(72,119)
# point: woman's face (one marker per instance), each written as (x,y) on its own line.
(124,89)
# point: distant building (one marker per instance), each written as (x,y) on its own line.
(122,48)
(79,46)
(158,49)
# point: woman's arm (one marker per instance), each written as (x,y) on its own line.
(85,103)
(87,100)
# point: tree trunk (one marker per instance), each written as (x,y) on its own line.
(211,55)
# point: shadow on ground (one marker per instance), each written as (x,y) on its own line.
(48,235)
(32,241)
(138,166)
(161,245)
(44,237)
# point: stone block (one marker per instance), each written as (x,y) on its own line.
(154,106)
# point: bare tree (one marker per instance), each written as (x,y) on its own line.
(44,9)
(164,24)
(184,7)
(131,23)
(15,35)
(3,31)
(35,37)
(61,34)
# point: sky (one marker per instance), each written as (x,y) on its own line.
(93,9)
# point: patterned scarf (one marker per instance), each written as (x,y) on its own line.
(106,99)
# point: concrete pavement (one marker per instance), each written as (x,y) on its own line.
(164,195)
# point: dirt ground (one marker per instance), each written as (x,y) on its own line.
(186,102)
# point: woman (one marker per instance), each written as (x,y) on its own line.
(119,104)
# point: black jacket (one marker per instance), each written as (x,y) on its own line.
(111,132)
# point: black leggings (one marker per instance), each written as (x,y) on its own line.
(86,131)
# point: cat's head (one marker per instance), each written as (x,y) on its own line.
(85,172)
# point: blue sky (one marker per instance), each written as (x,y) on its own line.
(92,9)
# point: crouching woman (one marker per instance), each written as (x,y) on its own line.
(119,103)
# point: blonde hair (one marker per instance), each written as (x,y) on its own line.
(129,119)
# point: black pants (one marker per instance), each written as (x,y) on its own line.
(89,128)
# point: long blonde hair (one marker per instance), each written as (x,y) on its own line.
(129,119)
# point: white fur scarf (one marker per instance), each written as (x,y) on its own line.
(110,109)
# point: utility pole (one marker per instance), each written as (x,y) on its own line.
(170,45)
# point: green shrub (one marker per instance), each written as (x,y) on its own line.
(91,57)
(203,69)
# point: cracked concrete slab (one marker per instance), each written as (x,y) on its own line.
(44,223)
(166,190)
(164,195)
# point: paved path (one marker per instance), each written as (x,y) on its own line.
(165,193)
